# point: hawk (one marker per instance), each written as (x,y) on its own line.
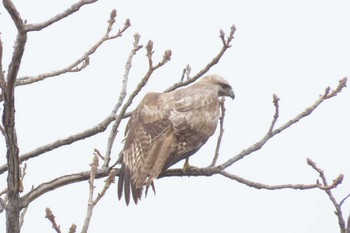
(166,128)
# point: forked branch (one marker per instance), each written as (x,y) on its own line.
(92,202)
(226,44)
(273,131)
(84,60)
(51,217)
(72,9)
(337,205)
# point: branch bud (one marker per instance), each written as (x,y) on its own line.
(127,23)
(73,228)
(112,16)
(222,34)
(149,46)
(167,55)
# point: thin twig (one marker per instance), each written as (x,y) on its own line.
(110,179)
(74,8)
(141,84)
(128,65)
(258,145)
(91,201)
(94,167)
(98,153)
(218,144)
(344,199)
(51,218)
(275,117)
(21,217)
(122,95)
(276,187)
(81,62)
(341,85)
(338,210)
(226,44)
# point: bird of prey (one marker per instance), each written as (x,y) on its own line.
(166,128)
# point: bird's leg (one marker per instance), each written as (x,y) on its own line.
(187,165)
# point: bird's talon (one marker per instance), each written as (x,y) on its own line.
(187,166)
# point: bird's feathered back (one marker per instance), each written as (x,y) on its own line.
(166,128)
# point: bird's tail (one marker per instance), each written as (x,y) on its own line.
(126,184)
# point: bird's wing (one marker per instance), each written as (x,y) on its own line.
(194,119)
(145,129)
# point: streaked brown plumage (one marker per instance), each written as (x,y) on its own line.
(166,128)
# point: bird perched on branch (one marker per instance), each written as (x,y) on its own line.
(166,128)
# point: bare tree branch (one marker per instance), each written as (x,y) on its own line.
(226,44)
(275,117)
(122,95)
(21,219)
(221,134)
(282,186)
(94,167)
(91,201)
(81,62)
(16,17)
(74,8)
(8,121)
(338,89)
(338,210)
(100,127)
(51,218)
(344,199)
(60,182)
(272,132)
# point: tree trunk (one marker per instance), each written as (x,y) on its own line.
(13,206)
(13,176)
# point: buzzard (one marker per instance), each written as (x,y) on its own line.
(166,128)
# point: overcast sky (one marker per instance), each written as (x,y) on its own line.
(294,49)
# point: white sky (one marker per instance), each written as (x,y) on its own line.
(294,49)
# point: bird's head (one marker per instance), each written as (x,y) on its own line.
(222,86)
